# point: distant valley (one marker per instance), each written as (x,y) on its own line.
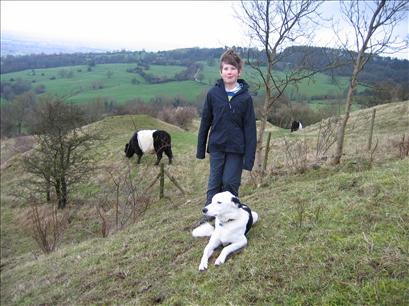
(19,45)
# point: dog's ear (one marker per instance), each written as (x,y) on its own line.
(236,201)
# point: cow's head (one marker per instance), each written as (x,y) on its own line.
(129,151)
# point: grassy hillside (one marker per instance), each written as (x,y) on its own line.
(330,236)
(391,123)
(80,87)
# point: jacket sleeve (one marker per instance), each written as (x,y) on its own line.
(250,134)
(205,123)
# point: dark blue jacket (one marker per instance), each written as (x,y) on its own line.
(232,124)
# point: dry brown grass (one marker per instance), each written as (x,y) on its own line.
(391,124)
(12,146)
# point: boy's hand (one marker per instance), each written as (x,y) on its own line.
(247,167)
(200,156)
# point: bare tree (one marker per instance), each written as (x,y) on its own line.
(16,115)
(373,24)
(61,159)
(276,25)
(23,105)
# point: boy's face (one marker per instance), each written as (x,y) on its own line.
(229,74)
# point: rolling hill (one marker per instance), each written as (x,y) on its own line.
(326,236)
(112,82)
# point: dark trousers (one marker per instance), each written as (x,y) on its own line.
(225,174)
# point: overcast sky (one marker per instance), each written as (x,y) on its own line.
(137,25)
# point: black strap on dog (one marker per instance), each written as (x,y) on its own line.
(250,221)
(248,210)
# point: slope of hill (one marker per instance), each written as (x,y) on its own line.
(391,123)
(327,236)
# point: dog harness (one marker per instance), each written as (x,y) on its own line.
(250,220)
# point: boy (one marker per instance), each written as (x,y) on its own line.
(228,113)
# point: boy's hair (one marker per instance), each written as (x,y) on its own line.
(232,58)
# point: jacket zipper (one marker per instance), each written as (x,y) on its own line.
(229,102)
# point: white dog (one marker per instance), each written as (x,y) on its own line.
(233,221)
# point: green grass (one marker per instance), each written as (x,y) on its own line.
(331,236)
(119,87)
(124,92)
(349,248)
(320,84)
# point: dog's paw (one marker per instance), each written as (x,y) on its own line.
(219,261)
(203,230)
(203,266)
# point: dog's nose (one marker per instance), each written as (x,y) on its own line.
(204,210)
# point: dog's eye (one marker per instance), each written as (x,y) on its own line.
(218,202)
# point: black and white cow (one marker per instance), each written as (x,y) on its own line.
(295,126)
(149,141)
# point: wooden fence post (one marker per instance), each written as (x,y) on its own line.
(174,181)
(161,178)
(371,129)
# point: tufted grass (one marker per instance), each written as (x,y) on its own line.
(331,236)
(338,238)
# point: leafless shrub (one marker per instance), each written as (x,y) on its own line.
(138,106)
(46,225)
(326,137)
(104,224)
(180,116)
(122,203)
(403,146)
(296,155)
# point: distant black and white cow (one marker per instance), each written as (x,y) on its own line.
(295,126)
(149,141)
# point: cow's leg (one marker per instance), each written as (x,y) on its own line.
(168,152)
(158,157)
(139,158)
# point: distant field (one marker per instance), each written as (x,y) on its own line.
(114,82)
